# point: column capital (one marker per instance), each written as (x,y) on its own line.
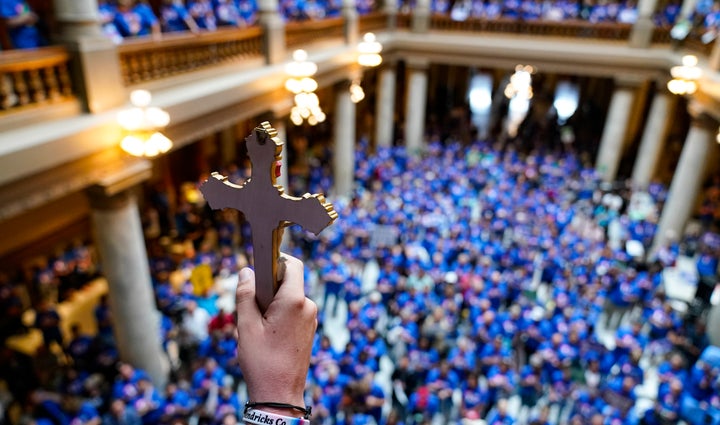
(701,118)
(100,200)
(111,191)
(417,63)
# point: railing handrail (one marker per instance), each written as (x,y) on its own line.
(314,25)
(570,27)
(185,39)
(26,59)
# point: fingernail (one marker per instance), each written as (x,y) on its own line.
(245,274)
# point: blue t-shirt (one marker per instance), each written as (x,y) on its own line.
(138,21)
(173,17)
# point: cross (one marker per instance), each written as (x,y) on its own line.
(267,208)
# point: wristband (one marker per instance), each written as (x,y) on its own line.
(259,417)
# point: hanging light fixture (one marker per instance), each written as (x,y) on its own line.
(369,50)
(685,76)
(369,57)
(303,86)
(520,84)
(143,124)
(357,93)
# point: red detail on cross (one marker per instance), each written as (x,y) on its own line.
(278,170)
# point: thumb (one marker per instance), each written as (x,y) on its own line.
(245,305)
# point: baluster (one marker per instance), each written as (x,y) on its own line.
(21,88)
(51,82)
(65,81)
(146,66)
(134,68)
(8,98)
(125,69)
(36,86)
(156,71)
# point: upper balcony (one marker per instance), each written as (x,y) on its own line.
(58,104)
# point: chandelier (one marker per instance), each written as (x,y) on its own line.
(143,124)
(685,76)
(303,86)
(369,50)
(357,93)
(520,84)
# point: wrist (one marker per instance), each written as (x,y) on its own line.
(279,408)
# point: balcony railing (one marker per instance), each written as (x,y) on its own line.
(298,34)
(34,77)
(567,29)
(373,22)
(143,60)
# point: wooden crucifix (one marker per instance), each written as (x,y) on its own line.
(267,208)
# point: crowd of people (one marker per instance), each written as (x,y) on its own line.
(136,18)
(496,272)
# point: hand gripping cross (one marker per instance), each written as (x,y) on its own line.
(267,208)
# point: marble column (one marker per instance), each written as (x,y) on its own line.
(688,177)
(96,67)
(124,261)
(350,14)
(385,107)
(642,30)
(653,139)
(714,59)
(713,325)
(613,137)
(273,31)
(391,10)
(344,134)
(686,10)
(421,16)
(416,103)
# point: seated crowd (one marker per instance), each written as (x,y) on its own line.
(499,276)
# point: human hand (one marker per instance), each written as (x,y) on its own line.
(274,349)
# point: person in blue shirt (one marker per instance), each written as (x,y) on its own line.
(107,10)
(334,275)
(202,12)
(22,24)
(532,382)
(149,403)
(121,414)
(332,385)
(178,403)
(205,377)
(248,11)
(135,19)
(227,13)
(174,16)
(500,415)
